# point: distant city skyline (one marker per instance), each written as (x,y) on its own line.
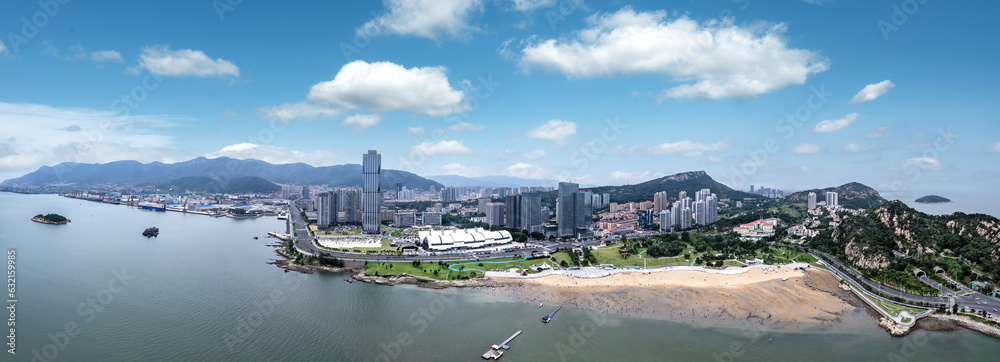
(505,88)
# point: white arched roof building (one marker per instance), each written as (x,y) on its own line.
(463,238)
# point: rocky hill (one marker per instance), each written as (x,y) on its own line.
(870,239)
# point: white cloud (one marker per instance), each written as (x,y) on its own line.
(877,133)
(722,59)
(714,159)
(3,48)
(388,87)
(526,170)
(856,148)
(106,56)
(921,163)
(466,127)
(634,177)
(277,155)
(531,5)
(625,151)
(687,148)
(995,148)
(557,131)
(806,149)
(872,92)
(430,149)
(830,126)
(416,131)
(363,121)
(533,155)
(36,135)
(301,110)
(431,19)
(376,87)
(819,2)
(161,60)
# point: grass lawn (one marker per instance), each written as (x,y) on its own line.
(562,256)
(443,272)
(400,233)
(385,248)
(610,255)
(348,232)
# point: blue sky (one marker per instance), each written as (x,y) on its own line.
(790,94)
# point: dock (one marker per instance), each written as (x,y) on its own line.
(548,318)
(496,351)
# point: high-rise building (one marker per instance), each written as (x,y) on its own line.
(481,207)
(567,208)
(665,221)
(682,195)
(326,209)
(646,219)
(348,206)
(812,201)
(702,194)
(495,213)
(513,217)
(686,217)
(371,201)
(660,202)
(531,212)
(596,201)
(831,199)
(606,200)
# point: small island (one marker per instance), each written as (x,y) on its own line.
(933,199)
(51,219)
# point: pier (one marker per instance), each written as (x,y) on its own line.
(496,351)
(548,318)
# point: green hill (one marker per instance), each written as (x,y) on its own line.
(870,240)
(674,184)
(246,184)
(852,196)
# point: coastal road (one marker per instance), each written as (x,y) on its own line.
(973,301)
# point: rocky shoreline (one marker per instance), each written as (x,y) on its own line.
(357,270)
(41,220)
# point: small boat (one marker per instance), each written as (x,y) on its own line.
(255,238)
(151,232)
(540,305)
(784,279)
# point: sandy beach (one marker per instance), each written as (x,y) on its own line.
(808,299)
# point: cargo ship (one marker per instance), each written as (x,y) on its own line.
(152,206)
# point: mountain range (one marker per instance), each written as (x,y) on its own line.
(222,170)
(491,181)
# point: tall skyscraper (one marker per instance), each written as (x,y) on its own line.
(702,194)
(531,211)
(682,195)
(606,200)
(566,208)
(326,209)
(660,202)
(513,218)
(812,201)
(495,213)
(371,200)
(666,221)
(831,199)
